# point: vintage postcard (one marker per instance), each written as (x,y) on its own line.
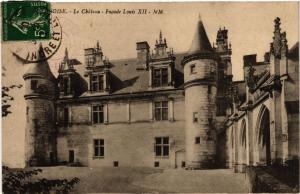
(170,97)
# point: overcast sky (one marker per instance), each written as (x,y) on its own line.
(250,28)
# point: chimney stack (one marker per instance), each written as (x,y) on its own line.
(142,55)
(249,60)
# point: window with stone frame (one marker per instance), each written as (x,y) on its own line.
(161,110)
(98,114)
(97,82)
(160,77)
(162,146)
(98,147)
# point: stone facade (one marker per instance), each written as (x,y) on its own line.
(163,109)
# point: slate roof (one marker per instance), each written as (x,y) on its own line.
(200,43)
(125,78)
(41,67)
(293,53)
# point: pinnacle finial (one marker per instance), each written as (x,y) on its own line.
(66,52)
(98,45)
(160,36)
(40,47)
(277,23)
(41,54)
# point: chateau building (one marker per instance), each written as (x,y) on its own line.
(165,109)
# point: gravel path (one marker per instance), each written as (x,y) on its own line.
(149,180)
(203,181)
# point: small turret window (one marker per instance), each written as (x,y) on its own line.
(193,69)
(195,117)
(33,84)
(209,89)
(197,140)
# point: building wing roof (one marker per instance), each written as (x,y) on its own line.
(293,53)
(125,78)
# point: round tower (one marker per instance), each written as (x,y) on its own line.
(40,134)
(200,93)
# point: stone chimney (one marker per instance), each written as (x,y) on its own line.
(142,55)
(249,60)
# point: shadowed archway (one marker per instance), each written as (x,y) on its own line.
(243,144)
(264,140)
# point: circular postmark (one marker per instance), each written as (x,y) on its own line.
(27,51)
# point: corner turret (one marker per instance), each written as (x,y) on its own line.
(200,94)
(40,94)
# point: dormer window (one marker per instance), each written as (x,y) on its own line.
(160,77)
(66,85)
(97,83)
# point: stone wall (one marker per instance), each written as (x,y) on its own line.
(40,131)
(129,134)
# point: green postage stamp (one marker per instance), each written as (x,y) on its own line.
(26,20)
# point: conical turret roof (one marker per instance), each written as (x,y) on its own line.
(41,67)
(200,43)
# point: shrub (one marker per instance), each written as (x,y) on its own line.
(18,182)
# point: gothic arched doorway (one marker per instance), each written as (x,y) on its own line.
(243,145)
(264,140)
